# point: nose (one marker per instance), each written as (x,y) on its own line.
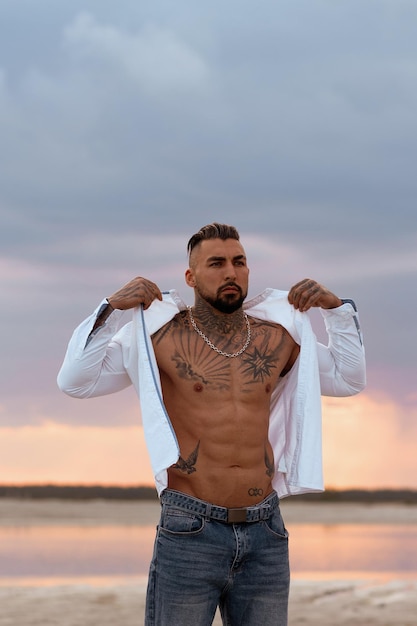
(230,272)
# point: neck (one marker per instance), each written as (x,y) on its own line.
(213,320)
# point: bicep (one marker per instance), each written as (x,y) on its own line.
(94,375)
(113,375)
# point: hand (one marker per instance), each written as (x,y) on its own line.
(138,291)
(308,293)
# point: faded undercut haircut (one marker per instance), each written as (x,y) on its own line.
(212,231)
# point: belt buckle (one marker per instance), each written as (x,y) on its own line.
(236,516)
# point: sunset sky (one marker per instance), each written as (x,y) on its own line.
(127,126)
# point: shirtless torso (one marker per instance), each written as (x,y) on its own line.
(219,407)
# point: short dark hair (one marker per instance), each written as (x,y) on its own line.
(212,231)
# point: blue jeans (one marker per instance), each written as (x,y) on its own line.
(203,560)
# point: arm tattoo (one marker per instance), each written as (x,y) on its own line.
(187,466)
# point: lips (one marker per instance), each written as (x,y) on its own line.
(230,289)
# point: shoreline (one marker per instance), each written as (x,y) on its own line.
(23,512)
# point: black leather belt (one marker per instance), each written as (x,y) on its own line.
(240,515)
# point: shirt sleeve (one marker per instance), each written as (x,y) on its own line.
(94,362)
(342,362)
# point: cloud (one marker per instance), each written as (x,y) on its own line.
(147,116)
(369,441)
(155,59)
(67,455)
(332,259)
(125,128)
(54,285)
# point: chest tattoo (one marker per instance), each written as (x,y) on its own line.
(259,365)
(260,362)
(207,370)
(193,361)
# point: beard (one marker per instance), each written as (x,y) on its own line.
(225,303)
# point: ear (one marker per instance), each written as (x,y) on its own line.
(189,278)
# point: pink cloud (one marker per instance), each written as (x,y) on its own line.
(55,453)
(364,446)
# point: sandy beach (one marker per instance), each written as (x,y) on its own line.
(325,603)
(314,600)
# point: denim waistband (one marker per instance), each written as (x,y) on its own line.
(255,513)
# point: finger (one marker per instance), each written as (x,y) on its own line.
(138,291)
(304,294)
(309,300)
(297,289)
(150,292)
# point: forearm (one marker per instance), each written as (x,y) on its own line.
(342,362)
(93,364)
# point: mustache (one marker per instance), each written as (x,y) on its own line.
(230,284)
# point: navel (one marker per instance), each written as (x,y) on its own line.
(267,388)
(198,387)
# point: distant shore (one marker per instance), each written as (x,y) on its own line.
(145,492)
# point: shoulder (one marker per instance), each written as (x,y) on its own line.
(260,325)
(180,321)
(269,330)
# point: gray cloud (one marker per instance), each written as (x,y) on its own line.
(126,127)
(289,118)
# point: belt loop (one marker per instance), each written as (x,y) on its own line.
(266,511)
(208,510)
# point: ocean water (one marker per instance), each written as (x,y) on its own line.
(316,551)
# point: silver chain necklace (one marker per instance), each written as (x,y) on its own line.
(215,348)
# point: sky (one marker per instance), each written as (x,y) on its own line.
(127,126)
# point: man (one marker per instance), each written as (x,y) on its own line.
(230,397)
